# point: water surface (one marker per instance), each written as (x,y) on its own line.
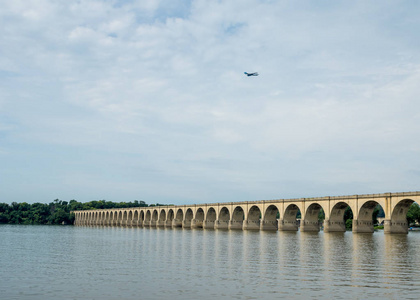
(70,262)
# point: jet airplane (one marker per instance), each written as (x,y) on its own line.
(251,74)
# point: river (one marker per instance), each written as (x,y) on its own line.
(72,262)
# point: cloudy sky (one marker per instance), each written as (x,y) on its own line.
(147,100)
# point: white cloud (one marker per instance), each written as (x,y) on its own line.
(157,88)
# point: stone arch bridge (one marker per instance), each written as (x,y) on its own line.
(278,214)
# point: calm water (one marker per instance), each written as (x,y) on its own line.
(66,262)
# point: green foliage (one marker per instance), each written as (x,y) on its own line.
(56,212)
(348,214)
(321,215)
(413,214)
(349,224)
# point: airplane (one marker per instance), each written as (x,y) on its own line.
(251,74)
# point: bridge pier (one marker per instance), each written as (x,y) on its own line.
(221,224)
(362,226)
(334,226)
(168,223)
(235,225)
(176,223)
(251,225)
(208,224)
(309,226)
(186,224)
(288,225)
(395,227)
(196,223)
(269,225)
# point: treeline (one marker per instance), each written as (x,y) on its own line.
(56,212)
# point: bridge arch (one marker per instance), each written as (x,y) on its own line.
(238,214)
(334,221)
(222,218)
(199,214)
(124,220)
(400,210)
(179,218)
(310,221)
(253,218)
(148,218)
(180,214)
(272,213)
(135,221)
(188,217)
(271,216)
(364,221)
(130,218)
(198,220)
(254,213)
(210,218)
(237,219)
(155,217)
(162,216)
(224,214)
(398,222)
(106,218)
(170,218)
(120,217)
(211,215)
(289,221)
(171,214)
(111,218)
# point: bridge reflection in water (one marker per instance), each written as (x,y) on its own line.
(271,215)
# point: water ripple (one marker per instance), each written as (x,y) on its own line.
(65,262)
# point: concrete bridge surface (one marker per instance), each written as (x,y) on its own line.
(264,215)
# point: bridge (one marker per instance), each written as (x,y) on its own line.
(280,214)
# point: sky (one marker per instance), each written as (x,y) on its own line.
(147,100)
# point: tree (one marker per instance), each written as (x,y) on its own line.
(56,212)
(413,214)
(348,218)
